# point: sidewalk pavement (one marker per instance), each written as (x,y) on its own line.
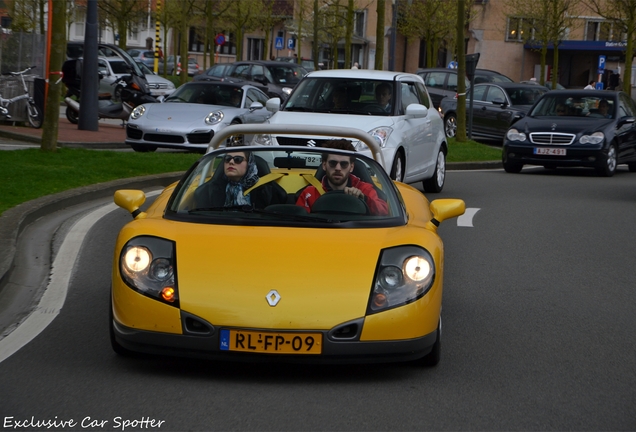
(110,134)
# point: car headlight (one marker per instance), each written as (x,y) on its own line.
(287,90)
(262,139)
(137,112)
(214,117)
(170,85)
(380,134)
(404,275)
(147,265)
(595,138)
(515,135)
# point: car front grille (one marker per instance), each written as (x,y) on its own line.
(158,86)
(549,138)
(171,139)
(200,137)
(302,142)
(133,133)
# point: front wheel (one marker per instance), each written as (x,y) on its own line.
(450,125)
(34,115)
(397,170)
(72,115)
(607,168)
(436,183)
(432,359)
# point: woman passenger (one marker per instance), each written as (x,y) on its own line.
(228,189)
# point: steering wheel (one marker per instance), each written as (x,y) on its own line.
(374,108)
(338,202)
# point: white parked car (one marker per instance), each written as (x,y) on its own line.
(409,129)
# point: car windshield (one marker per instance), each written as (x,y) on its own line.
(287,74)
(583,105)
(342,96)
(206,93)
(288,186)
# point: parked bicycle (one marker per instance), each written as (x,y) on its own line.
(33,112)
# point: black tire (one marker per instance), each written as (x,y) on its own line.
(235,140)
(143,148)
(432,359)
(34,115)
(511,167)
(120,350)
(435,184)
(397,169)
(608,165)
(72,115)
(450,125)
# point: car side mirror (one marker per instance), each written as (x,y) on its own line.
(255,106)
(625,120)
(273,105)
(500,102)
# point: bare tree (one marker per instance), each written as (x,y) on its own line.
(242,16)
(544,22)
(622,14)
(433,21)
(54,92)
(123,15)
(379,35)
(23,15)
(461,71)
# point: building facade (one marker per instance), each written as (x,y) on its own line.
(493,31)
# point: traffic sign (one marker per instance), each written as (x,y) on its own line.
(290,43)
(601,63)
(452,65)
(219,39)
(278,44)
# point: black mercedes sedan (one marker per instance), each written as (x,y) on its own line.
(583,128)
(496,106)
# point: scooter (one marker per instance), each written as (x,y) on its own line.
(131,90)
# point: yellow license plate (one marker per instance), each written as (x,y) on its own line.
(271,342)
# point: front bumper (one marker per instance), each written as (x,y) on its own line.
(192,141)
(334,351)
(574,157)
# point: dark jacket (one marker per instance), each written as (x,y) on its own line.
(212,194)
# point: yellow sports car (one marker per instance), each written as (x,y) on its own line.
(282,253)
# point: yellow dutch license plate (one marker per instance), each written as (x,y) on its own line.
(271,342)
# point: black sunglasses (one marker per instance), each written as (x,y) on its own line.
(237,159)
(334,163)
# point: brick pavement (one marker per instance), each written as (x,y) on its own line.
(110,134)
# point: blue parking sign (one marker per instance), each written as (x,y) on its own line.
(278,44)
(290,43)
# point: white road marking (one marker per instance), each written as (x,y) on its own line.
(466,220)
(54,296)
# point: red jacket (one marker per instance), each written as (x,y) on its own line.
(377,206)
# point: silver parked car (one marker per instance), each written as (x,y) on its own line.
(189,117)
(158,85)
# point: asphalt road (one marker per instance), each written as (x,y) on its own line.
(538,334)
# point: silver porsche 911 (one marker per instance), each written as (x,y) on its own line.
(189,117)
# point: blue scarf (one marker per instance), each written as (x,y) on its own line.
(234,191)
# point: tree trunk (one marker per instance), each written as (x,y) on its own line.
(379,36)
(54,90)
(461,73)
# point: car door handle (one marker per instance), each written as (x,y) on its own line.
(483,108)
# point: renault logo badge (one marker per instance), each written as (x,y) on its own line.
(272,298)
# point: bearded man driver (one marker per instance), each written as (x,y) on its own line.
(338,176)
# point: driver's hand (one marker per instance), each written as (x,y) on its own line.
(354,191)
